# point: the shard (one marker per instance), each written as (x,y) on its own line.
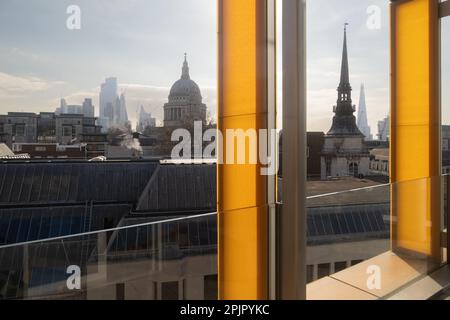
(362,115)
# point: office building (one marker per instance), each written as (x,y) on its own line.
(88,108)
(145,120)
(383,129)
(18,128)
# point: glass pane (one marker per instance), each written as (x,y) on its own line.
(109,265)
(348,205)
(346,228)
(85,134)
(348,139)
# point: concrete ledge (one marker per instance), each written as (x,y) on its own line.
(332,289)
(427,287)
(400,278)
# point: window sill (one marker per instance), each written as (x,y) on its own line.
(401,278)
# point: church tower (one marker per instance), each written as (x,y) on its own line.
(344,153)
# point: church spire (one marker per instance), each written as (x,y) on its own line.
(185,73)
(345,79)
(344,102)
(344,122)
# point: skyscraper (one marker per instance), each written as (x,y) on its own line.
(108,96)
(88,108)
(383,129)
(62,107)
(362,115)
(121,115)
(145,120)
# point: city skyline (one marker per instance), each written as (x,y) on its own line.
(140,42)
(130,41)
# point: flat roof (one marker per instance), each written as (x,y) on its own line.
(346,191)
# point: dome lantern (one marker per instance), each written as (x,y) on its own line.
(185,72)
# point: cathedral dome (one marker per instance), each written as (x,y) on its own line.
(185,89)
(185,101)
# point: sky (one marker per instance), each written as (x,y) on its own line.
(142,43)
(445,72)
(368,51)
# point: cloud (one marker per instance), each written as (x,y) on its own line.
(143,87)
(23,54)
(12,85)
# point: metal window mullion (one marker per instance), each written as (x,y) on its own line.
(292,230)
(448,218)
(271,150)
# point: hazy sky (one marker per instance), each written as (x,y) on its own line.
(445,72)
(368,51)
(142,42)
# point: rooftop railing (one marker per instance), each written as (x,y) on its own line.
(160,258)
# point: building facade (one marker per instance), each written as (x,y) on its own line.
(51,150)
(344,152)
(120,111)
(113,108)
(17,128)
(88,108)
(145,120)
(108,96)
(383,129)
(379,161)
(315,141)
